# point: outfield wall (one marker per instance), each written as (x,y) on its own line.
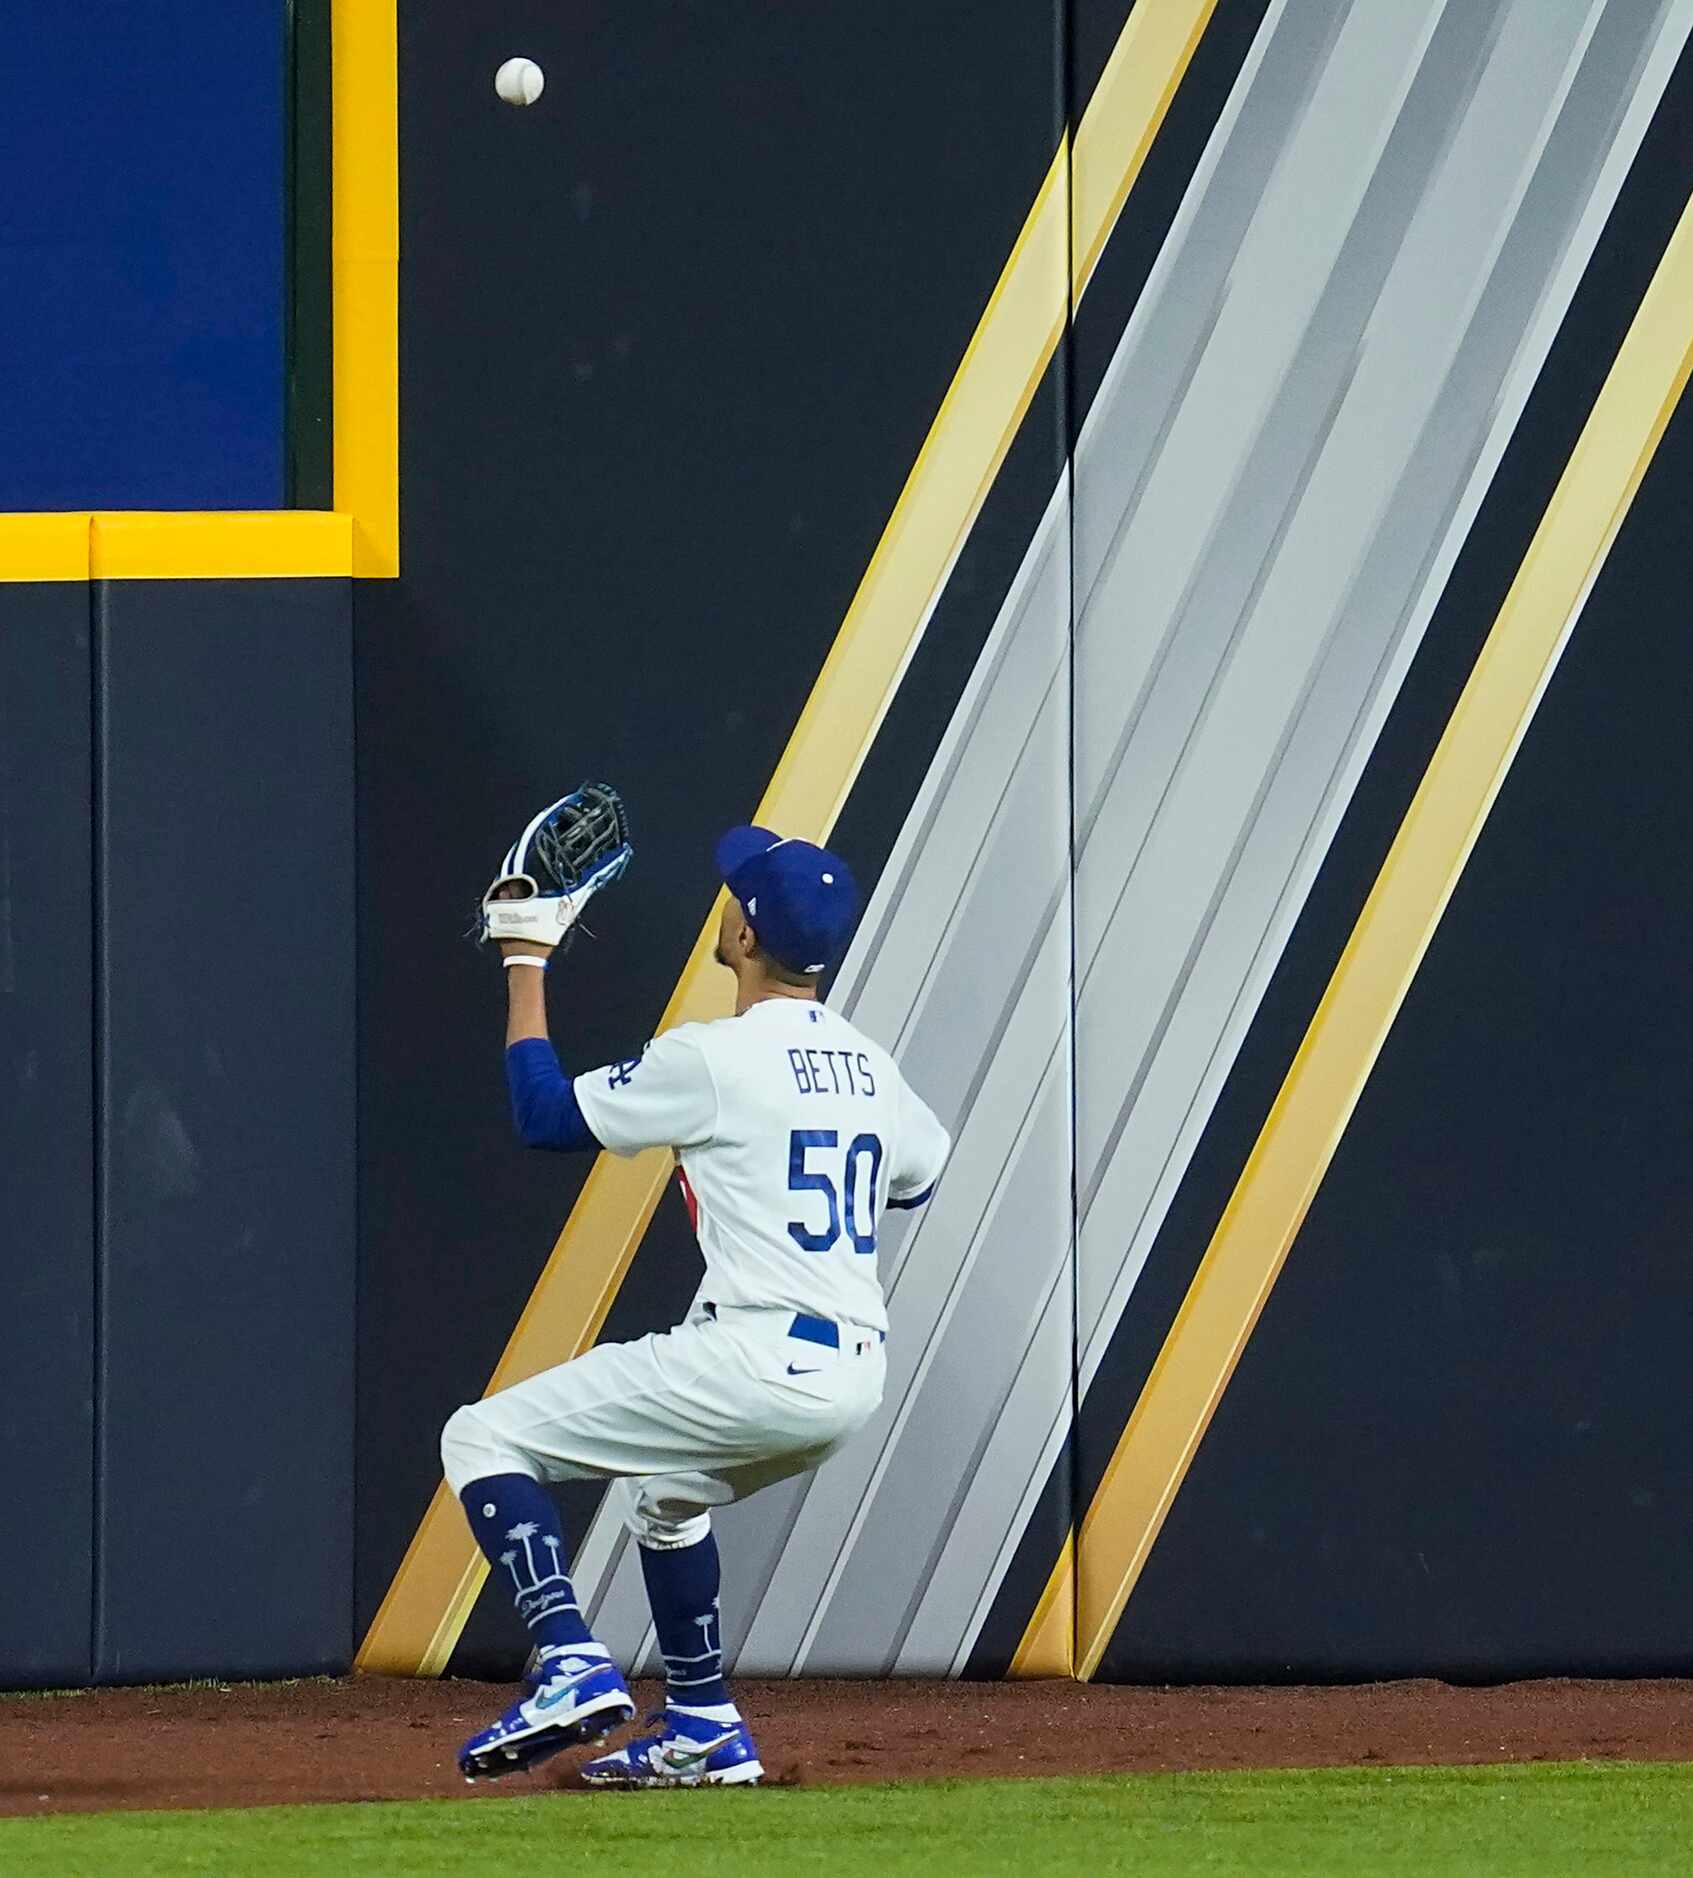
(1189,499)
(143,254)
(1322,377)
(178,1192)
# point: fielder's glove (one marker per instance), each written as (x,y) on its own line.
(560,861)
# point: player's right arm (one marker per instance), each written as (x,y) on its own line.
(923,1147)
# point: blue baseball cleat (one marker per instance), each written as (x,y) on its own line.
(688,1751)
(572,1700)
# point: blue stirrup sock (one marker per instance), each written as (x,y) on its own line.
(682,1587)
(517,1527)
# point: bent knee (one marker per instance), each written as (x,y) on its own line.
(664,1521)
(472,1449)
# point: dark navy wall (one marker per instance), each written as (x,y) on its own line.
(176,1128)
(46,1129)
(1501,1235)
(769,250)
(224,959)
(141,254)
(1456,1444)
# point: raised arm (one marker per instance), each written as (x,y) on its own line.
(543,1098)
(567,854)
(526,990)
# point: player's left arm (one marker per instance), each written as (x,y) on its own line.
(664,1098)
(543,1098)
(567,854)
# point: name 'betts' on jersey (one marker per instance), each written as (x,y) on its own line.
(793,1131)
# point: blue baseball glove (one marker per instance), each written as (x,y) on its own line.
(555,867)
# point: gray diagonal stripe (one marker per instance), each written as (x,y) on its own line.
(1276,476)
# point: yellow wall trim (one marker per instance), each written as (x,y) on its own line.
(362,536)
(366,279)
(278,544)
(266,544)
(1339,1050)
(44,547)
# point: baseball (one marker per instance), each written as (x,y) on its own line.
(519,81)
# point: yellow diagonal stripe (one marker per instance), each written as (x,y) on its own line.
(1048,1647)
(431,1596)
(1316,1101)
(1123,117)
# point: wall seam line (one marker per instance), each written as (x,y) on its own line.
(99,1102)
(1067,75)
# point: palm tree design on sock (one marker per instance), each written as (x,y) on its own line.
(683,1673)
(537,1595)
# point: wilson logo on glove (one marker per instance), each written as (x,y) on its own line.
(555,867)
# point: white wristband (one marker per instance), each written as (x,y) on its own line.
(525,958)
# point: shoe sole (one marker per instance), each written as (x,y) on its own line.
(747,1774)
(600,1717)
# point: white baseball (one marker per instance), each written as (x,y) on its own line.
(520,81)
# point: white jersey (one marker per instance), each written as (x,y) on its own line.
(793,1131)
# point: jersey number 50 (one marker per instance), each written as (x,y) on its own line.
(852,1201)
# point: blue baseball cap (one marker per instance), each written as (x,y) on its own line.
(800,899)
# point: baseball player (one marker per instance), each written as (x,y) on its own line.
(792,1132)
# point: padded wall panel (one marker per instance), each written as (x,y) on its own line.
(1286,457)
(884,1560)
(46,1132)
(767,251)
(1456,1444)
(226,964)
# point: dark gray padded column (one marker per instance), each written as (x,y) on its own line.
(226,808)
(46,1134)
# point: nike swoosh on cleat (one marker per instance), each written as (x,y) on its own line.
(682,1760)
(556,1693)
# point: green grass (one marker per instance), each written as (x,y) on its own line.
(1588,1817)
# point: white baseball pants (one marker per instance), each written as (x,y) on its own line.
(685,1420)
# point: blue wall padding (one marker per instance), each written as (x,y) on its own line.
(46,1125)
(225,799)
(141,255)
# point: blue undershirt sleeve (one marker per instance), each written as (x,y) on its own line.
(543,1099)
